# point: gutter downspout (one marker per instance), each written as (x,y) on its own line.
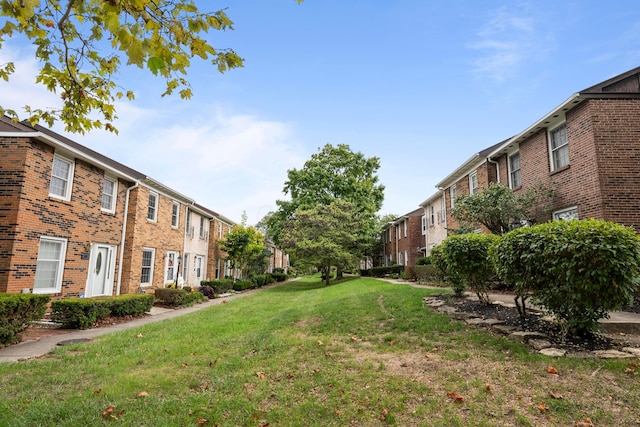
(124,232)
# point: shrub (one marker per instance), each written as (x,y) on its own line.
(387,270)
(192,298)
(428,273)
(577,270)
(467,255)
(169,296)
(219,286)
(78,313)
(242,285)
(279,277)
(128,304)
(449,275)
(17,311)
(207,291)
(259,280)
(269,279)
(425,260)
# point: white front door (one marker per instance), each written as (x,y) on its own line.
(171,267)
(101,269)
(199,260)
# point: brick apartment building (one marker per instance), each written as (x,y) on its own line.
(404,239)
(75,223)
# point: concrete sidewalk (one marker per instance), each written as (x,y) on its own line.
(36,348)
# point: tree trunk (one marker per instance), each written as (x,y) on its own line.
(327,275)
(338,272)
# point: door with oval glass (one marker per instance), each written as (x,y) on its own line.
(101,269)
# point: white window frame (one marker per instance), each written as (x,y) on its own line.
(566,214)
(68,180)
(59,268)
(112,197)
(406,257)
(452,195)
(514,172)
(553,150)
(424,224)
(171,257)
(219,230)
(154,213)
(432,215)
(202,230)
(175,214)
(150,267)
(443,206)
(473,183)
(404,226)
(185,268)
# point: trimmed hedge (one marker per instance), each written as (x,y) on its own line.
(81,313)
(384,270)
(17,311)
(219,286)
(578,270)
(177,297)
(279,277)
(242,285)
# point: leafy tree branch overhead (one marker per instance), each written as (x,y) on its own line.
(82,45)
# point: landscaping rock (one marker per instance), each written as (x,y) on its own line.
(553,352)
(612,354)
(539,344)
(632,350)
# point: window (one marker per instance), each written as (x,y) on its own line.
(171,267)
(174,214)
(50,265)
(109,187)
(566,214)
(148,256)
(188,224)
(406,257)
(443,209)
(152,212)
(404,226)
(514,170)
(432,215)
(452,194)
(473,182)
(185,268)
(424,224)
(61,178)
(219,231)
(202,228)
(559,147)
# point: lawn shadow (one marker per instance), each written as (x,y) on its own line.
(307,284)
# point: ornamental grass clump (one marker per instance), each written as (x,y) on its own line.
(577,270)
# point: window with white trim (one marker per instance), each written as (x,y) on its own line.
(50,265)
(452,194)
(404,226)
(175,212)
(559,147)
(424,224)
(432,215)
(152,211)
(566,214)
(219,230)
(148,257)
(515,179)
(406,257)
(202,228)
(188,222)
(61,178)
(473,182)
(109,187)
(185,268)
(443,209)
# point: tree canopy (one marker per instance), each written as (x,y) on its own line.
(82,46)
(244,246)
(323,236)
(334,173)
(496,207)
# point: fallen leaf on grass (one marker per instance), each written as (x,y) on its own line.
(320,342)
(552,370)
(98,391)
(337,412)
(488,387)
(455,396)
(354,338)
(202,421)
(143,394)
(213,362)
(631,369)
(586,423)
(224,301)
(139,336)
(542,407)
(384,414)
(260,375)
(555,394)
(108,413)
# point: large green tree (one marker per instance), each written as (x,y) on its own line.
(333,173)
(323,236)
(244,246)
(82,45)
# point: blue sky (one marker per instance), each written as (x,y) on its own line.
(422,85)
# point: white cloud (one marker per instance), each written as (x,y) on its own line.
(507,40)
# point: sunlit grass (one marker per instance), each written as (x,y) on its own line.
(360,352)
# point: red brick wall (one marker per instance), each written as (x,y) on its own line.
(143,233)
(80,220)
(413,241)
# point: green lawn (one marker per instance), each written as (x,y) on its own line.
(361,352)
